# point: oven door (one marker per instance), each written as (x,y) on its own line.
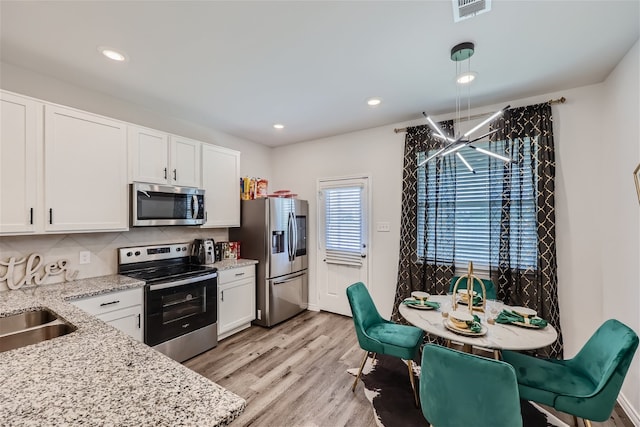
(178,307)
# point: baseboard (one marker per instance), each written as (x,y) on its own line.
(313,307)
(631,412)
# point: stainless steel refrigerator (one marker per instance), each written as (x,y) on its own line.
(274,232)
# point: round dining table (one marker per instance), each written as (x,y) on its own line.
(497,337)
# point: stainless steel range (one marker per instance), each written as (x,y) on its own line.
(180,301)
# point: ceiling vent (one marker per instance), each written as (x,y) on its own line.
(464,9)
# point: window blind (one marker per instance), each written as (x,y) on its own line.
(343,225)
(459,212)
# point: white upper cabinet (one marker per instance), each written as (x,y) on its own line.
(160,158)
(221,182)
(185,161)
(20,139)
(85,172)
(149,155)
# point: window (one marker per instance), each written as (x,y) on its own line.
(459,212)
(343,224)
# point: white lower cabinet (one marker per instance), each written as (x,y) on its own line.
(121,309)
(236,300)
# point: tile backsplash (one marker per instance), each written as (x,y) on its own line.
(102,246)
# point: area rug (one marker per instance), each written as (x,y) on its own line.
(386,386)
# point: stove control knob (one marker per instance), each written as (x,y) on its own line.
(184,248)
(137,253)
(129,253)
(177,249)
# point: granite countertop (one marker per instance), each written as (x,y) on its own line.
(98,375)
(227,264)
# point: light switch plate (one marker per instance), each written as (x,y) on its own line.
(383,227)
(85,257)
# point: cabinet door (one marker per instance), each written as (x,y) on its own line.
(148,155)
(221,182)
(185,162)
(85,162)
(128,320)
(20,136)
(236,304)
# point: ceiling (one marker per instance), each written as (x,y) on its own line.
(241,66)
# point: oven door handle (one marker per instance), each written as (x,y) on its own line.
(182,282)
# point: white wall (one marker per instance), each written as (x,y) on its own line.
(582,223)
(255,160)
(375,152)
(620,219)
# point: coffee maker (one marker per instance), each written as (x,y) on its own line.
(202,251)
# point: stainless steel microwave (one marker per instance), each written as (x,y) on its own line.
(153,204)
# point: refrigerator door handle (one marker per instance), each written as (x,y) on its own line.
(289,237)
(295,236)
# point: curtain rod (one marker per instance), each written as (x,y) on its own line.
(561,100)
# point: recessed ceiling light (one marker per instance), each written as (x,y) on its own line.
(278,126)
(466,78)
(112,54)
(372,102)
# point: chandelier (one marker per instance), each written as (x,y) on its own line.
(452,144)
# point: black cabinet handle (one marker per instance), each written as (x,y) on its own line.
(31,216)
(50,215)
(138,320)
(175,174)
(109,303)
(165,173)
(222,296)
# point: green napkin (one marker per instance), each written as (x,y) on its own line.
(416,302)
(508,316)
(474,325)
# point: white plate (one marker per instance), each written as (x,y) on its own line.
(524,311)
(420,295)
(418,306)
(526,325)
(467,332)
(464,291)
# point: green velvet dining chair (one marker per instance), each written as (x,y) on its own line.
(379,336)
(462,389)
(488,285)
(585,386)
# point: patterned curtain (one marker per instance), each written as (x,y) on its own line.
(529,136)
(413,273)
(526,133)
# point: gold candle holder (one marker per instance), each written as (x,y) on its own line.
(470,278)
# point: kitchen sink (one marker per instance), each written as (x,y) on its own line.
(31,327)
(22,321)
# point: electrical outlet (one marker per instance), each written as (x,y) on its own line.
(85,257)
(383,226)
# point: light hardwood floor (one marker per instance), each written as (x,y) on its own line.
(294,375)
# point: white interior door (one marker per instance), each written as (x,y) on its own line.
(343,236)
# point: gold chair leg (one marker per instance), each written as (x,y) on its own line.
(575,421)
(413,382)
(497,355)
(364,360)
(587,423)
